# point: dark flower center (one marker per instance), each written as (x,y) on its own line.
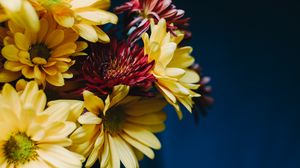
(113,120)
(40,50)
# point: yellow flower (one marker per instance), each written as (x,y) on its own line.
(32,135)
(83,16)
(5,75)
(21,12)
(118,129)
(174,80)
(43,56)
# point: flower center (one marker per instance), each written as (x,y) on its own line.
(20,149)
(113,120)
(39,50)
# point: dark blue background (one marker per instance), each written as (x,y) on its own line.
(251,51)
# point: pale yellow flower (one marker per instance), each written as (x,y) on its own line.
(174,80)
(83,16)
(21,12)
(45,56)
(118,129)
(33,135)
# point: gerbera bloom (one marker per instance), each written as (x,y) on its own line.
(43,56)
(174,78)
(32,136)
(118,128)
(21,12)
(84,17)
(144,10)
(115,64)
(5,75)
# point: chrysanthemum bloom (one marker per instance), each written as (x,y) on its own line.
(115,64)
(43,56)
(144,10)
(21,12)
(119,128)
(5,75)
(174,78)
(205,90)
(83,16)
(32,136)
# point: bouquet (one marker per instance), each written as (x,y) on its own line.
(82,85)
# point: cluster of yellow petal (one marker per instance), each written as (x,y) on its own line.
(5,75)
(118,129)
(83,17)
(44,56)
(33,135)
(174,80)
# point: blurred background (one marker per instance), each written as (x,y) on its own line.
(251,51)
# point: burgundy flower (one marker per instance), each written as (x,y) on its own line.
(205,101)
(113,64)
(141,11)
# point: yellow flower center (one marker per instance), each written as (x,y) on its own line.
(20,149)
(113,120)
(40,50)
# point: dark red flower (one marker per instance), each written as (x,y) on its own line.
(205,101)
(113,64)
(141,11)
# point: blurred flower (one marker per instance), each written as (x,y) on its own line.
(144,10)
(115,64)
(32,136)
(83,16)
(174,78)
(5,75)
(206,100)
(119,128)
(21,12)
(43,56)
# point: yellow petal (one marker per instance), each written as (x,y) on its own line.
(182,58)
(190,76)
(43,31)
(95,152)
(39,61)
(140,146)
(142,135)
(8,76)
(56,80)
(89,118)
(87,32)
(102,36)
(22,41)
(115,158)
(53,154)
(58,112)
(54,38)
(64,50)
(10,52)
(93,103)
(98,16)
(63,15)
(149,119)
(28,72)
(13,66)
(167,52)
(126,154)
